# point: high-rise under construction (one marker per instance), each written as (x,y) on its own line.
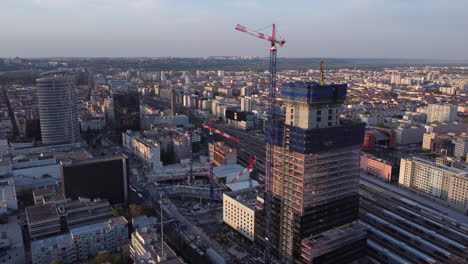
(315,178)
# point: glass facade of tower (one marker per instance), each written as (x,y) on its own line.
(57,108)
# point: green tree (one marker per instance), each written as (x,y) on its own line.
(103,258)
(465,121)
(55,262)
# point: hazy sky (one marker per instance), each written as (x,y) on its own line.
(425,29)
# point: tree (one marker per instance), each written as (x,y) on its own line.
(134,210)
(55,262)
(465,121)
(103,258)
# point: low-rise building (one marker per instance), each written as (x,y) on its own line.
(446,144)
(222,154)
(450,162)
(239,213)
(375,166)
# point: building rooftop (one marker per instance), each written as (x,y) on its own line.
(440,166)
(40,213)
(248,199)
(87,160)
(152,245)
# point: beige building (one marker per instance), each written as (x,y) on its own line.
(221,154)
(427,140)
(446,183)
(239,213)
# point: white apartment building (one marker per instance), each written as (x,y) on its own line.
(246,104)
(441,113)
(81,242)
(239,214)
(146,149)
(446,183)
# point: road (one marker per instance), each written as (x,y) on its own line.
(172,210)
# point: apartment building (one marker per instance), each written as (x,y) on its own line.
(80,243)
(445,183)
(147,248)
(441,113)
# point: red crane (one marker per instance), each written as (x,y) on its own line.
(269,132)
(252,162)
(217,131)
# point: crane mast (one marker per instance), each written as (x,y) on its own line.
(269,130)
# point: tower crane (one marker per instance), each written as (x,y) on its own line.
(253,159)
(269,129)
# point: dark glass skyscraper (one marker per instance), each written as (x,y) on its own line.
(57,108)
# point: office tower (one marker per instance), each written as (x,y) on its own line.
(446,183)
(127,111)
(102,177)
(441,113)
(57,108)
(246,104)
(315,178)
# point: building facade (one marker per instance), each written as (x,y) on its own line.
(315,178)
(441,113)
(445,183)
(57,108)
(376,167)
(82,242)
(147,248)
(240,215)
(221,154)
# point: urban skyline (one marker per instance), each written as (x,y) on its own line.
(146,28)
(125,137)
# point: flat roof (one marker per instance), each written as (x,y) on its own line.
(439,166)
(68,163)
(42,212)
